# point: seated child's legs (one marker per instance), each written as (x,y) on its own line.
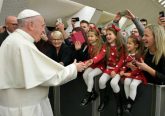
(103,80)
(91,76)
(133,88)
(85,74)
(127,83)
(114,83)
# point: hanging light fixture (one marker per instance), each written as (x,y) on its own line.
(162,2)
(159,1)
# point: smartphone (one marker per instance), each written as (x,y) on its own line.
(161,14)
(59,20)
(123,13)
(75,19)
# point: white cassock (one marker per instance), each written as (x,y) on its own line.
(25,77)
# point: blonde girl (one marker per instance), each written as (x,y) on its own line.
(132,74)
(96,52)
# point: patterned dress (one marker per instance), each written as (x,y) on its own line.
(98,60)
(114,62)
(135,73)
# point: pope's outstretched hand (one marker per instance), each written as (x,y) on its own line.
(80,66)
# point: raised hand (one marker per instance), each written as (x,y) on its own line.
(60,26)
(130,15)
(161,21)
(77,45)
(44,36)
(117,17)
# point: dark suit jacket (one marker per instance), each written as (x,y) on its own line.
(3,36)
(65,54)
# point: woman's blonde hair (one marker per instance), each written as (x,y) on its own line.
(57,34)
(159,36)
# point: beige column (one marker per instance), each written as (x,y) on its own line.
(1,2)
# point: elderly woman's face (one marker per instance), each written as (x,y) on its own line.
(148,39)
(57,41)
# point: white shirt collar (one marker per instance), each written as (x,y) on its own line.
(8,32)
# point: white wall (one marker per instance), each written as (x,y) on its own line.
(85,13)
(1,2)
(11,7)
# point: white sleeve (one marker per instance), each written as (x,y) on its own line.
(39,69)
(24,66)
(67,74)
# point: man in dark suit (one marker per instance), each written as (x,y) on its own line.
(10,24)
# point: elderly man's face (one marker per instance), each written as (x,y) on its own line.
(38,27)
(11,23)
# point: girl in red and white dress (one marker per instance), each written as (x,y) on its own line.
(96,51)
(132,74)
(115,55)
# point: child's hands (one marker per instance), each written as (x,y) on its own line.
(131,65)
(88,62)
(121,73)
(127,74)
(113,74)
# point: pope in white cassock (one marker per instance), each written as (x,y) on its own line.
(26,73)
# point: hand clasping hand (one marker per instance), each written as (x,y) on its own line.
(80,66)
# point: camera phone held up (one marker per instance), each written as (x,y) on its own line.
(161,14)
(75,19)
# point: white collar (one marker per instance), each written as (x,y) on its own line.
(8,32)
(25,35)
(132,54)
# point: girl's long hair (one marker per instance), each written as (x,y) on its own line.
(99,42)
(120,43)
(140,51)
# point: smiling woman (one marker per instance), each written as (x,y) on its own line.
(57,40)
(154,61)
(63,53)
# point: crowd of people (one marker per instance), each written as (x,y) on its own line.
(33,60)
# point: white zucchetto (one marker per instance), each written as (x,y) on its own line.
(27,13)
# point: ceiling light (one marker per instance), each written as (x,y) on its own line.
(162,2)
(159,0)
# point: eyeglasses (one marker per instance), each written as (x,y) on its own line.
(56,39)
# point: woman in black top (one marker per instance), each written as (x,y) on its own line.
(154,61)
(62,52)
